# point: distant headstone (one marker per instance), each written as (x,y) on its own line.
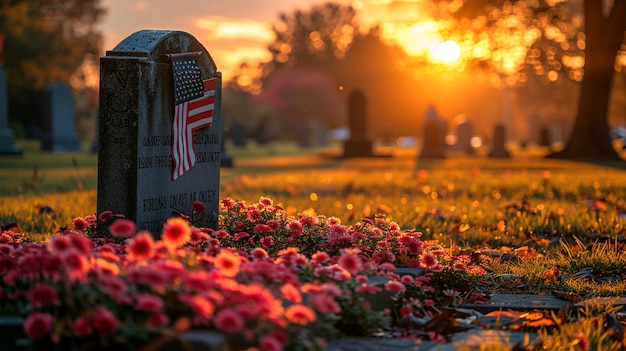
(7,142)
(498,149)
(146,150)
(464,134)
(545,138)
(59,123)
(433,145)
(239,134)
(434,135)
(359,144)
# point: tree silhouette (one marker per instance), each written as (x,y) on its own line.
(604,27)
(45,41)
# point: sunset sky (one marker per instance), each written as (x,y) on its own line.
(237,30)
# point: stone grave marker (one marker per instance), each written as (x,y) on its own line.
(498,149)
(7,141)
(151,162)
(359,144)
(464,134)
(434,134)
(545,137)
(59,123)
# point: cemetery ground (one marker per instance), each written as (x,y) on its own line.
(521,253)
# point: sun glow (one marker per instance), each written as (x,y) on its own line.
(448,51)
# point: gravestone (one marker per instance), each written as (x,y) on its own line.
(433,136)
(359,144)
(59,123)
(545,139)
(239,134)
(7,142)
(464,134)
(142,138)
(498,149)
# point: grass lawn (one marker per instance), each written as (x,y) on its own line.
(535,225)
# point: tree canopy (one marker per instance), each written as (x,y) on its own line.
(45,41)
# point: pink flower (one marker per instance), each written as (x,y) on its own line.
(262,229)
(394,286)
(583,342)
(405,311)
(43,295)
(267,241)
(228,321)
(38,325)
(176,232)
(266,201)
(147,302)
(324,303)
(429,260)
(295,227)
(81,242)
(350,262)
(59,243)
(105,216)
(320,257)
(82,327)
(270,343)
(104,321)
(141,246)
(75,263)
(241,235)
(123,227)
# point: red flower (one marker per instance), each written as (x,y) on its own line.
(324,303)
(300,314)
(228,321)
(429,260)
(320,257)
(80,223)
(59,243)
(75,263)
(81,242)
(158,319)
(104,321)
(295,228)
(265,201)
(198,207)
(43,295)
(176,232)
(123,227)
(141,247)
(270,343)
(405,311)
(147,302)
(262,229)
(202,307)
(82,327)
(38,325)
(227,263)
(267,241)
(259,254)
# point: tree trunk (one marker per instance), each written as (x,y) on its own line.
(590,137)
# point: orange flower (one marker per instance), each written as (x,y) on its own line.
(227,263)
(291,293)
(176,232)
(300,314)
(141,246)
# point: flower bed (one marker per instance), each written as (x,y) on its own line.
(263,278)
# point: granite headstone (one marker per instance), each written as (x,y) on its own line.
(434,135)
(498,149)
(136,138)
(359,143)
(7,141)
(59,123)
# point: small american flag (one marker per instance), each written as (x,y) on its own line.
(194,100)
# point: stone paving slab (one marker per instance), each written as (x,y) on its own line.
(519,302)
(377,344)
(480,339)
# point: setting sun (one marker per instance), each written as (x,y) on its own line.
(448,52)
